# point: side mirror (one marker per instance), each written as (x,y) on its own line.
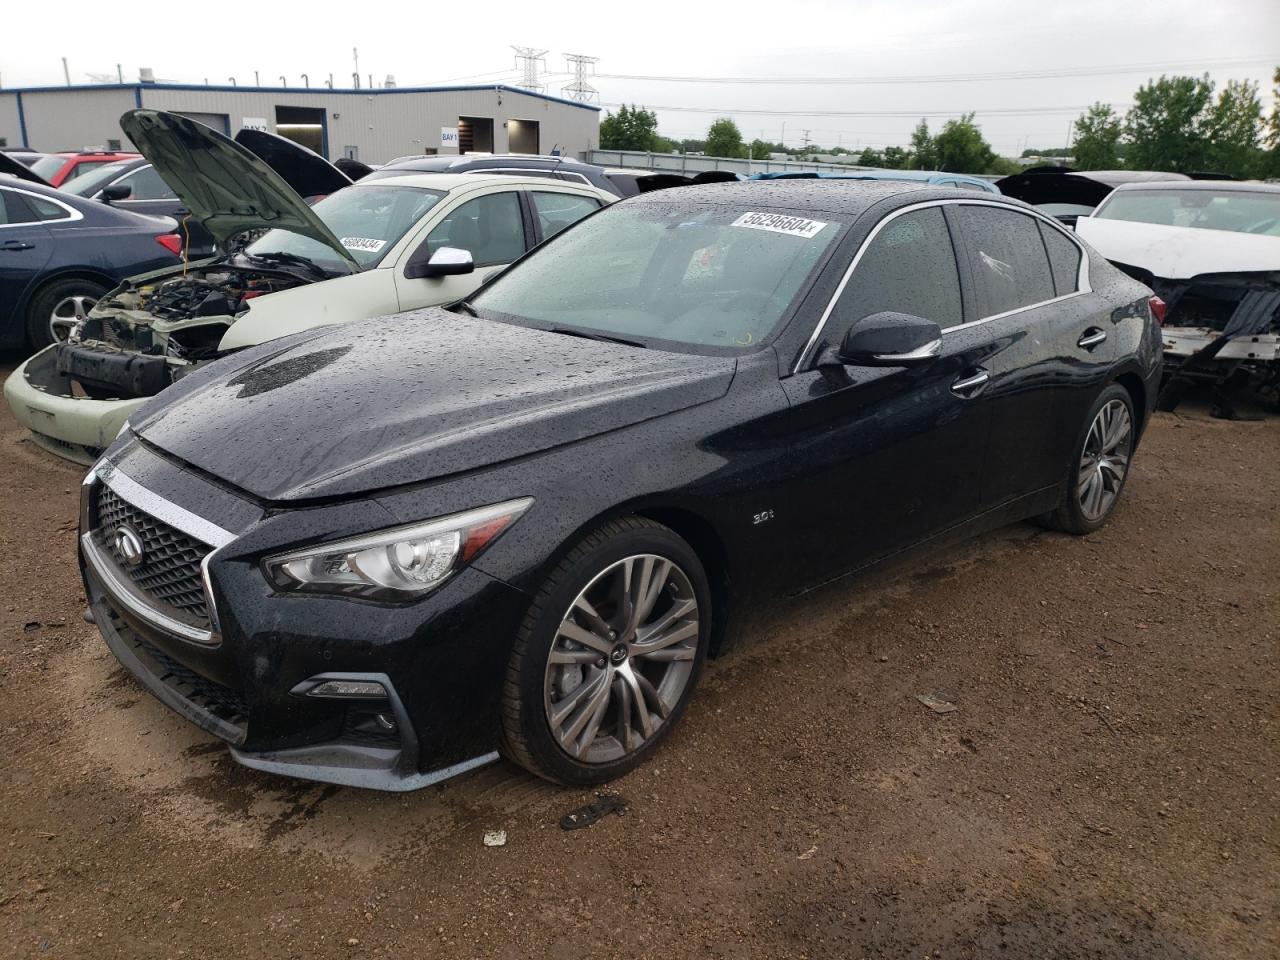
(891,340)
(445,262)
(117,191)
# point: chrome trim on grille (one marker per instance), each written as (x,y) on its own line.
(133,599)
(175,516)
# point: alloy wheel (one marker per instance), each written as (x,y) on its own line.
(622,658)
(1105,459)
(67,313)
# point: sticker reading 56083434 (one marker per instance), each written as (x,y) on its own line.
(780,223)
(368,244)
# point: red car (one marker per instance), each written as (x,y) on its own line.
(58,169)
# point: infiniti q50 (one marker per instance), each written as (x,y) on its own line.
(383,554)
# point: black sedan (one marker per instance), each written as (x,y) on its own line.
(381,553)
(59,253)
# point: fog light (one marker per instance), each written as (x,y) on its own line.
(386,721)
(349,690)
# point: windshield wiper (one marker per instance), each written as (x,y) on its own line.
(466,307)
(279,256)
(597,336)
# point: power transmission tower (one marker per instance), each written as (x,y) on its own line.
(579,89)
(527,58)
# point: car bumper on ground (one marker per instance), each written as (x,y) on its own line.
(388,697)
(77,428)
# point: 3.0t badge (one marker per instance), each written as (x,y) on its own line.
(128,545)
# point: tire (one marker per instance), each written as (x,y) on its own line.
(593,688)
(1100,468)
(70,298)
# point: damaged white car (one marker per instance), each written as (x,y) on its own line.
(367,250)
(1211,251)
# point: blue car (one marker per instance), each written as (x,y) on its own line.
(60,253)
(935,178)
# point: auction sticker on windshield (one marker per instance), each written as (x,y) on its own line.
(778,223)
(367,244)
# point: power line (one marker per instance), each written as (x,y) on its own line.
(955,77)
(905,114)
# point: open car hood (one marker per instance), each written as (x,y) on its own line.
(1180,253)
(13,168)
(226,187)
(308,173)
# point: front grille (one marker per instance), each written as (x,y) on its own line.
(169,573)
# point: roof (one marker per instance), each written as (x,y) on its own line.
(363,92)
(1211,186)
(849,197)
(467,181)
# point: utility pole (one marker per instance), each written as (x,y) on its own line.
(579,89)
(528,58)
(806,140)
(66,72)
(355,59)
(119,73)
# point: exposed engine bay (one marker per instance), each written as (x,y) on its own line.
(1220,330)
(151,330)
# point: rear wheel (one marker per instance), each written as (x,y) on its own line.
(57,307)
(1101,466)
(608,656)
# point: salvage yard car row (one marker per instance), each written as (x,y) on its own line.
(518,512)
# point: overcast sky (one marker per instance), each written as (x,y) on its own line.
(423,44)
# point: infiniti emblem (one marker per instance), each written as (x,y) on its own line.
(128,544)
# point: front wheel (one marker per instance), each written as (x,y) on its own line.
(1101,466)
(608,656)
(56,308)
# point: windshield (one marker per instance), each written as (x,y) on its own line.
(698,275)
(96,179)
(421,165)
(367,219)
(1239,211)
(48,166)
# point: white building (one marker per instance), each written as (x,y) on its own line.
(372,125)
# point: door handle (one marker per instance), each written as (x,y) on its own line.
(971,385)
(1091,338)
(16,245)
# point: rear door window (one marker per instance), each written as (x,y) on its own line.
(1007,257)
(559,210)
(1064,260)
(909,267)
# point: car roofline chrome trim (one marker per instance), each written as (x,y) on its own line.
(1082,276)
(175,516)
(74,213)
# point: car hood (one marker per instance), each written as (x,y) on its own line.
(411,398)
(226,187)
(13,168)
(1179,253)
(308,173)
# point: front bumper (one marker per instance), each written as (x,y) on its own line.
(77,428)
(247,679)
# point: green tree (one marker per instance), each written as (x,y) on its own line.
(1166,125)
(1234,126)
(869,158)
(663,145)
(896,158)
(1097,140)
(724,139)
(1271,160)
(960,147)
(631,128)
(923,154)
(760,150)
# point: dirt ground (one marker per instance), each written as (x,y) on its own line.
(1108,786)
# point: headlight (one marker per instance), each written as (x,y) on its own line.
(398,563)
